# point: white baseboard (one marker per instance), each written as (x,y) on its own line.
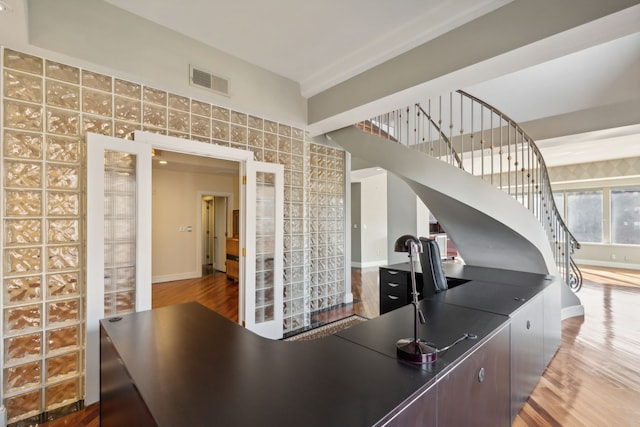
(172,277)
(597,263)
(573,311)
(348,298)
(369,264)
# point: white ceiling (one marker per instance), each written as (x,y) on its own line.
(321,43)
(316,43)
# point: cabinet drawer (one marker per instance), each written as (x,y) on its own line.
(394,276)
(391,302)
(394,288)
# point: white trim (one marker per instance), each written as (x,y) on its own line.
(198,227)
(97,145)
(369,264)
(572,311)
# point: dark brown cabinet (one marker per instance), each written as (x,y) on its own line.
(476,391)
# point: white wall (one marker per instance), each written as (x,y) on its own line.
(121,43)
(176,202)
(373,219)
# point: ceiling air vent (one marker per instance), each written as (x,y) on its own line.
(209,81)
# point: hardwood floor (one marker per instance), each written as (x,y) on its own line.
(593,380)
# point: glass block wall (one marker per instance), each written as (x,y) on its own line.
(47,109)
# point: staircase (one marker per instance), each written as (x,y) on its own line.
(481,176)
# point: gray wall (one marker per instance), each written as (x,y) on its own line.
(401,214)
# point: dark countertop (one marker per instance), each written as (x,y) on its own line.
(445,323)
(194,367)
(486,274)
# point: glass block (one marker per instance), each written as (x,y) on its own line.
(270,126)
(22,260)
(97,81)
(200,108)
(20,115)
(96,102)
(297,147)
(297,133)
(23,405)
(60,367)
(124,129)
(22,86)
(178,102)
(23,203)
(62,285)
(125,278)
(297,163)
(238,134)
(62,231)
(220,113)
(255,122)
(155,96)
(62,95)
(238,118)
(128,89)
(271,156)
(178,134)
(96,125)
(285,160)
(22,61)
(22,232)
(62,394)
(21,377)
(61,149)
(22,319)
(21,290)
(63,339)
(63,122)
(270,141)
(255,138)
(125,302)
(109,304)
(58,71)
(22,145)
(154,130)
(219,130)
(284,130)
(284,144)
(62,176)
(61,312)
(201,126)
(23,347)
(154,115)
(63,258)
(63,203)
(178,121)
(258,153)
(128,109)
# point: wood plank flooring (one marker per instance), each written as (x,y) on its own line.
(593,380)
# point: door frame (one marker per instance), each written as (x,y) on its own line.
(214,194)
(197,148)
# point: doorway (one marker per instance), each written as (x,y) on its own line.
(214,232)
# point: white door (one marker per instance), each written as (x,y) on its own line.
(118,239)
(263,293)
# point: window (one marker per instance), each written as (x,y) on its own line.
(584,215)
(558,198)
(625,216)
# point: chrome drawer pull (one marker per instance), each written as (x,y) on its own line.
(393,285)
(392,297)
(392,272)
